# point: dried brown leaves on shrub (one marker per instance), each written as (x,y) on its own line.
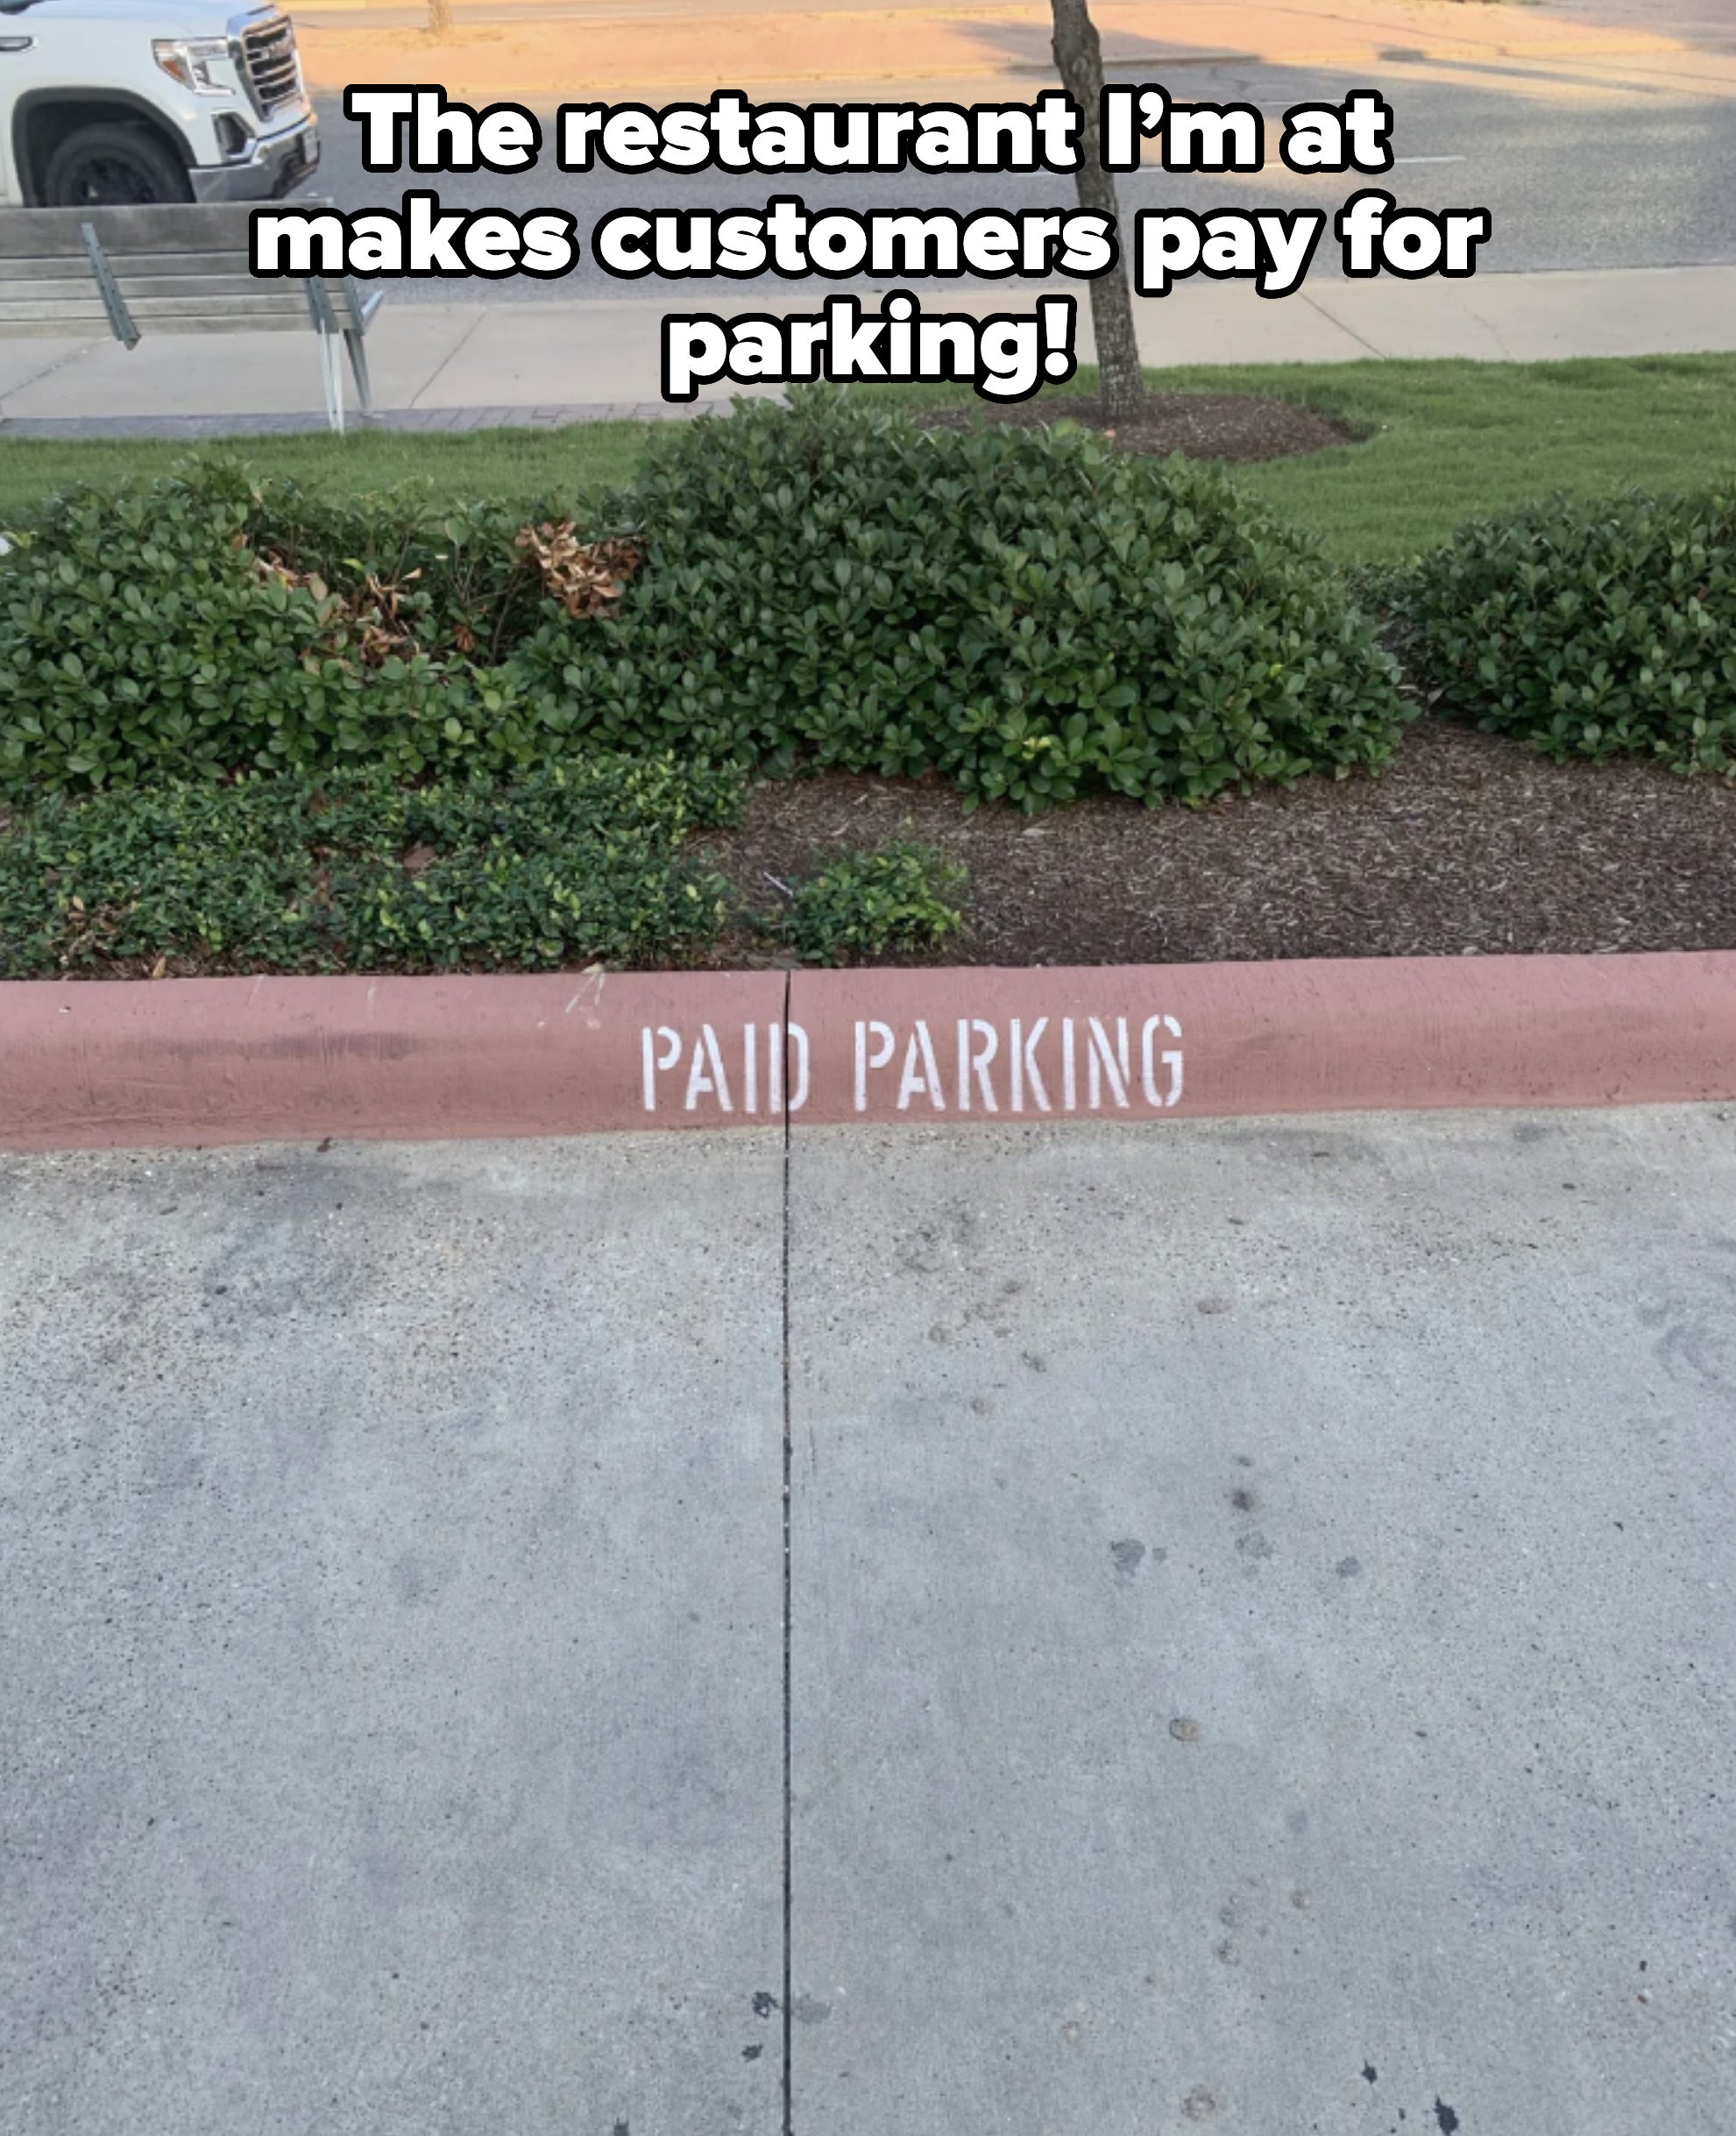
(586,577)
(372,618)
(383,630)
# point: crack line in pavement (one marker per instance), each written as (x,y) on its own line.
(450,358)
(789,1469)
(47,370)
(1344,325)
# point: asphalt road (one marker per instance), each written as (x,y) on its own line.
(1650,182)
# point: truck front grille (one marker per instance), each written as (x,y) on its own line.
(269,65)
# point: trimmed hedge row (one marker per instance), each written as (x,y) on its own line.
(1031,615)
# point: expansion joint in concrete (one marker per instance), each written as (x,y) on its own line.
(789,1472)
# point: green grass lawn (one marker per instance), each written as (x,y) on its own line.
(1444,442)
(1456,440)
(1453,440)
(511,463)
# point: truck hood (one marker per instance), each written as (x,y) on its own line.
(152,18)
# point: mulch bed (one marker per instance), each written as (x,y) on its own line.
(1206,426)
(1467,843)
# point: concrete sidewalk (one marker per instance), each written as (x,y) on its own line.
(1256,1621)
(392,1642)
(466,366)
(1262,1620)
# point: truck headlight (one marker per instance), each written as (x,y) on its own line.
(193,61)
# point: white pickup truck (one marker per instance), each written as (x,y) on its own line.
(124,102)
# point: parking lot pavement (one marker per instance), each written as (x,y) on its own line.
(1258,1623)
(391,1641)
(1262,1625)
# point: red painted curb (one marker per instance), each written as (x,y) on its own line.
(1327,1035)
(119,1064)
(134,1064)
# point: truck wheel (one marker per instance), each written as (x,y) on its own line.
(112,167)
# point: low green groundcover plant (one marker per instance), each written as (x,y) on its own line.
(1598,630)
(574,863)
(902,896)
(1032,615)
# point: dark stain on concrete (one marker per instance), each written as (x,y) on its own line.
(295,1046)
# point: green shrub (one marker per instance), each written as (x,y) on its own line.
(206,624)
(1029,613)
(869,904)
(574,863)
(141,638)
(1592,630)
(462,582)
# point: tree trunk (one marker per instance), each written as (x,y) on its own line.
(439,16)
(1080,57)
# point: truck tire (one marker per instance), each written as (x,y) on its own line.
(112,167)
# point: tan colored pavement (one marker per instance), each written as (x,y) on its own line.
(601,48)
